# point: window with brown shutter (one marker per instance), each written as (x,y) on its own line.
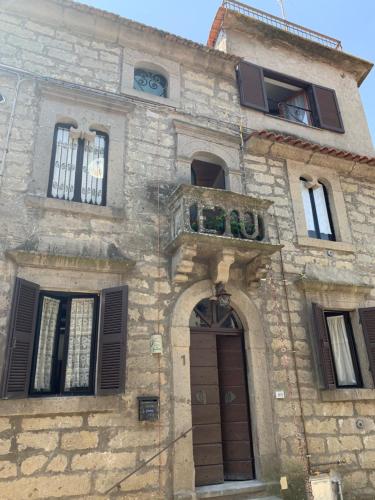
(20,339)
(52,342)
(251,83)
(367,318)
(327,109)
(112,340)
(289,98)
(336,348)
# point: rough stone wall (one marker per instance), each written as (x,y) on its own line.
(83,446)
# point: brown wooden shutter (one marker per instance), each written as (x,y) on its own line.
(324,347)
(327,109)
(367,318)
(112,340)
(251,86)
(20,339)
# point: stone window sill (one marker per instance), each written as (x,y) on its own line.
(339,246)
(348,395)
(74,208)
(58,405)
(144,96)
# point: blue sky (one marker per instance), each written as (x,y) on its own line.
(352,22)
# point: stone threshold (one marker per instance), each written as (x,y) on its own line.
(230,489)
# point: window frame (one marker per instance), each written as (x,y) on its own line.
(79,165)
(352,346)
(317,233)
(154,72)
(60,382)
(311,89)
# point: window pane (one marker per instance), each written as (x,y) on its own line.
(322,212)
(308,209)
(152,83)
(43,371)
(77,373)
(64,167)
(341,350)
(93,170)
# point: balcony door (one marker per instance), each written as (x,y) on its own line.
(222,444)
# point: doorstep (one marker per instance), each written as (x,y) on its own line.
(235,489)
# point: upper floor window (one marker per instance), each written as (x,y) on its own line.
(288,98)
(150,82)
(207,174)
(317,212)
(79,165)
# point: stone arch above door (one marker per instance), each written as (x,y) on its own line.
(260,395)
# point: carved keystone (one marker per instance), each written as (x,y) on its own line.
(257,269)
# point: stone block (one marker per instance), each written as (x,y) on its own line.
(33,464)
(321,426)
(37,440)
(49,486)
(5,445)
(344,443)
(57,464)
(60,422)
(105,460)
(5,424)
(79,440)
(7,469)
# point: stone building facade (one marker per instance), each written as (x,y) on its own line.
(144,249)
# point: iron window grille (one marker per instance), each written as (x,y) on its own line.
(78,166)
(150,82)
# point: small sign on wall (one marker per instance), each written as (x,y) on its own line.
(156,344)
(148,408)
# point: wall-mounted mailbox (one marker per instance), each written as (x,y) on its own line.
(148,408)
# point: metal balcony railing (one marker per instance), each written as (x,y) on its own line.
(282,24)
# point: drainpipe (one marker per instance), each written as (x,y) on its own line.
(20,80)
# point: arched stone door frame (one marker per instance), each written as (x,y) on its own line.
(258,382)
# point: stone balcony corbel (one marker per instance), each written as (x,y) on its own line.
(214,231)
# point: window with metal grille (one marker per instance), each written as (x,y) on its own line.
(150,82)
(78,166)
(317,211)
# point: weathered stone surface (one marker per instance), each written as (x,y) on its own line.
(106,460)
(33,464)
(40,440)
(35,424)
(51,486)
(79,440)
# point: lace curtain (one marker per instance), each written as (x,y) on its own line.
(43,369)
(341,350)
(79,350)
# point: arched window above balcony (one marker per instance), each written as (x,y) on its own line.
(207,174)
(151,82)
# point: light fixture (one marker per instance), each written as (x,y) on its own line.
(223,297)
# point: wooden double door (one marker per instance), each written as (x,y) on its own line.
(220,407)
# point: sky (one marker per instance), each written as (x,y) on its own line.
(352,22)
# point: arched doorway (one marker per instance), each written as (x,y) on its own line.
(222,444)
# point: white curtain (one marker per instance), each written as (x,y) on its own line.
(307,206)
(321,210)
(79,349)
(294,111)
(43,369)
(93,170)
(341,350)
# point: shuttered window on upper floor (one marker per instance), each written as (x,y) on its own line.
(289,98)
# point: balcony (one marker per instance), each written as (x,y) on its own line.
(214,231)
(275,21)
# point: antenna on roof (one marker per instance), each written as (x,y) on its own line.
(282,7)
